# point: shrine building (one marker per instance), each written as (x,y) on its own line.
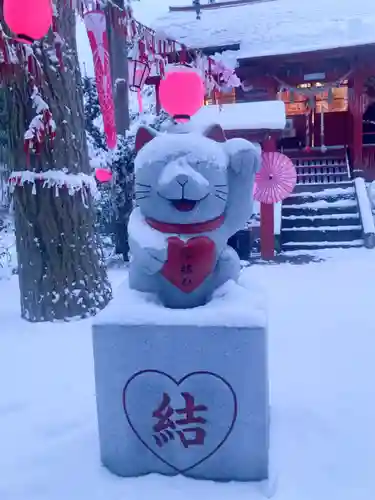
(318,58)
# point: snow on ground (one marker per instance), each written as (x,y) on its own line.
(321,347)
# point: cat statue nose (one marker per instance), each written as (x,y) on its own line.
(179,180)
(182,179)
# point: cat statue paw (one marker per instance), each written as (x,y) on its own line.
(193,192)
(148,247)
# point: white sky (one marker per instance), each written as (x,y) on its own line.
(145,11)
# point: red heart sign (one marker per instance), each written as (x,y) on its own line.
(181,422)
(189,263)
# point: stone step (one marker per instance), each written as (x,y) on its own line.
(307,211)
(321,169)
(325,233)
(317,159)
(323,204)
(292,246)
(309,200)
(325,166)
(309,183)
(329,195)
(302,188)
(315,181)
(327,190)
(323,178)
(302,210)
(295,221)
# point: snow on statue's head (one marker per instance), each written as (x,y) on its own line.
(181,178)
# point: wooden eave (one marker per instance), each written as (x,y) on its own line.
(352,52)
(360,57)
(353,57)
(230,3)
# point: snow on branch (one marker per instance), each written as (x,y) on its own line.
(41,126)
(57,179)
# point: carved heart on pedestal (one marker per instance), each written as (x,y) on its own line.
(182,422)
(189,263)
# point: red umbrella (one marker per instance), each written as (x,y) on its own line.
(276,178)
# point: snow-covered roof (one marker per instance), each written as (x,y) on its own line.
(264,115)
(277,27)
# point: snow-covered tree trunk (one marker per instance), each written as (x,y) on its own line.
(61,270)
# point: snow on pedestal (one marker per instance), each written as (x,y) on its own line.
(184,391)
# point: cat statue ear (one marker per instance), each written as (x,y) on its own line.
(216,133)
(144,136)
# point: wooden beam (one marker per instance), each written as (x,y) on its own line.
(210,51)
(356,89)
(353,53)
(292,68)
(216,5)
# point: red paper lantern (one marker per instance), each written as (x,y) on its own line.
(139,71)
(181,93)
(29,20)
(103,175)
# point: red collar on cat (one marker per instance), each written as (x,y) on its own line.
(197,228)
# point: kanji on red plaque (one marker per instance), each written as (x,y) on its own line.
(166,427)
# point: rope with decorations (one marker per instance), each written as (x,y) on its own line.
(158,49)
(57,179)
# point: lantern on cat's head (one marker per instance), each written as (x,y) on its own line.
(29,20)
(139,71)
(181,93)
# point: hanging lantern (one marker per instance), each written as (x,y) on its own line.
(103,175)
(139,71)
(29,20)
(181,93)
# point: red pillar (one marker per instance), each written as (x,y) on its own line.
(267,236)
(158,105)
(356,112)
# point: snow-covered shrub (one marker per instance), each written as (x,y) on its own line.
(93,115)
(99,158)
(123,170)
(117,197)
(8,256)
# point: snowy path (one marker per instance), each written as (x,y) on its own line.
(322,347)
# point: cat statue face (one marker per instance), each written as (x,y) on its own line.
(181,178)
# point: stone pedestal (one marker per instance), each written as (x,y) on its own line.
(183,391)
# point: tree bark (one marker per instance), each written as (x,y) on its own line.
(61,270)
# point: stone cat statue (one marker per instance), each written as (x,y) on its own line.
(193,191)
